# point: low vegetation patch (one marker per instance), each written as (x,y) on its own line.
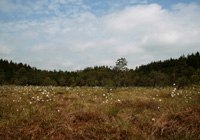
(32,112)
(185,124)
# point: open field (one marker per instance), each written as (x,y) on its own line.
(28,112)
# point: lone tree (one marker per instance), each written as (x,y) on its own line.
(120,69)
(121,64)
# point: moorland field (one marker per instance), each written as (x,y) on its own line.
(137,113)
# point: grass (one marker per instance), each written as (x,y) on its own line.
(32,112)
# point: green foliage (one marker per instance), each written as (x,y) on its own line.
(182,82)
(195,79)
(121,64)
(159,79)
(72,82)
(2,77)
(21,81)
(156,74)
(48,81)
(62,81)
(109,85)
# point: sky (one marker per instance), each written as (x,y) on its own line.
(71,35)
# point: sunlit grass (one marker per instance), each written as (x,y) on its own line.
(32,112)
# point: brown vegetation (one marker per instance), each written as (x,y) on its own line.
(92,113)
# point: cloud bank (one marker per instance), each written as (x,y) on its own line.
(75,40)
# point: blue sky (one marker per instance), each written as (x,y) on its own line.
(75,34)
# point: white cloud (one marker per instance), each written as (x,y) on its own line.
(5,50)
(128,49)
(150,25)
(25,9)
(141,33)
(40,48)
(7,6)
(106,62)
(83,47)
(138,1)
(136,18)
(66,64)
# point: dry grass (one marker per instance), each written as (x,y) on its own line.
(92,113)
(184,124)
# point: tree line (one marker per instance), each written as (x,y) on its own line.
(184,71)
